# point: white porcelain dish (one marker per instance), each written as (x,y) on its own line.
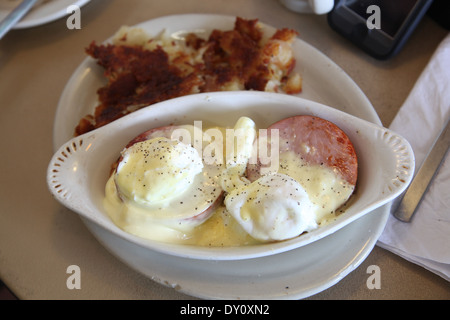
(295,274)
(42,13)
(79,170)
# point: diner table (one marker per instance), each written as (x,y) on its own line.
(40,239)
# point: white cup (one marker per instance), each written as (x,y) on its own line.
(309,6)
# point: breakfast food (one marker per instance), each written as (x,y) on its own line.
(141,70)
(273,208)
(320,156)
(186,184)
(161,185)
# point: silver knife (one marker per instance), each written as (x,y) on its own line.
(14,16)
(405,206)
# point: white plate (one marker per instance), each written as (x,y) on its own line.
(295,274)
(45,12)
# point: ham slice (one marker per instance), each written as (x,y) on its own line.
(316,141)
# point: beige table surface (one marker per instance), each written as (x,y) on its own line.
(38,240)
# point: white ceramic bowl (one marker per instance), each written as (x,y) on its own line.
(78,171)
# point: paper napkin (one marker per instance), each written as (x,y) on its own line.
(426,239)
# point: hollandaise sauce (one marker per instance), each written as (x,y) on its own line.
(166,190)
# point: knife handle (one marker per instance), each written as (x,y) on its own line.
(14,16)
(405,207)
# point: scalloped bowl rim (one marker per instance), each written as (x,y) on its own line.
(78,171)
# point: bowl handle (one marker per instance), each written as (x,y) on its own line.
(63,164)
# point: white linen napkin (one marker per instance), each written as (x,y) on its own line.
(426,239)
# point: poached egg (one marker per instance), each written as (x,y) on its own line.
(272,208)
(161,190)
